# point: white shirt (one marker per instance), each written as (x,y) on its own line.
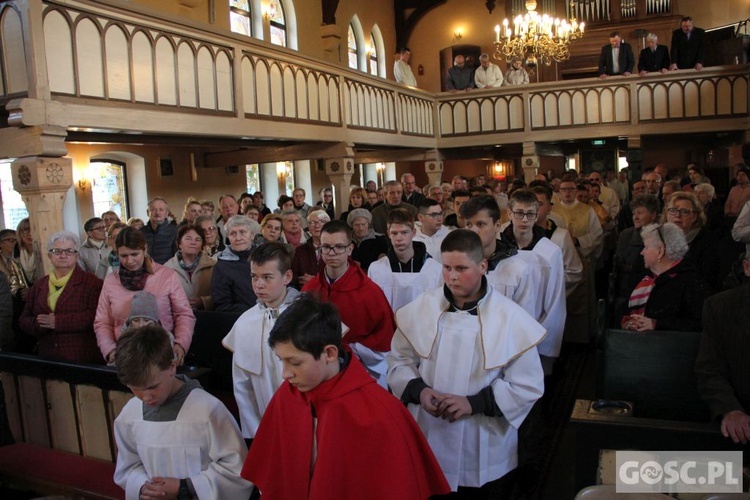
(432,242)
(488,77)
(403,74)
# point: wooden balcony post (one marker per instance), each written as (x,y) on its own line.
(340,171)
(434,170)
(530,161)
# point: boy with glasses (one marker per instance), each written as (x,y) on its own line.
(95,247)
(362,305)
(430,229)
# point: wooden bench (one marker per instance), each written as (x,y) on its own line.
(655,372)
(61,417)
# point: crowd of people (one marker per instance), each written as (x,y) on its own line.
(455,298)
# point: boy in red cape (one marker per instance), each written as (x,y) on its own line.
(330,431)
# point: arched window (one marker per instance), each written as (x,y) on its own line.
(13,206)
(239,17)
(109,187)
(278,23)
(352,48)
(373,57)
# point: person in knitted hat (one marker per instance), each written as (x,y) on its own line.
(369,245)
(143,311)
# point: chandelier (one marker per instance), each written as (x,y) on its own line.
(535,37)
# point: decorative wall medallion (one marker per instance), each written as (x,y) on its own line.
(349,166)
(431,166)
(54,173)
(24,175)
(529,162)
(335,167)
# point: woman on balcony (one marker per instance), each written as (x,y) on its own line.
(516,74)
(61,306)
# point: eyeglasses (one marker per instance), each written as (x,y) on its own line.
(316,222)
(519,215)
(333,250)
(6,240)
(684,212)
(209,228)
(98,228)
(435,215)
(60,251)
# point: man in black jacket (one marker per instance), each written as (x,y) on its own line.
(688,46)
(654,57)
(616,58)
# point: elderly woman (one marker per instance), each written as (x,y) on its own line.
(671,296)
(270,229)
(628,267)
(27,252)
(305,262)
(357,199)
(137,271)
(61,306)
(516,74)
(212,243)
(369,245)
(231,283)
(193,266)
(293,233)
(686,212)
(706,194)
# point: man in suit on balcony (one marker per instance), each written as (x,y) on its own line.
(616,58)
(688,46)
(654,57)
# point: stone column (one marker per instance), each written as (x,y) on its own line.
(530,161)
(371,173)
(390,172)
(434,170)
(303,179)
(43,183)
(340,171)
(270,184)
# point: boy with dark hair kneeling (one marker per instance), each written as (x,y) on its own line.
(174,439)
(330,432)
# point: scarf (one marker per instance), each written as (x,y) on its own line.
(640,295)
(135,281)
(188,268)
(56,287)
(114,260)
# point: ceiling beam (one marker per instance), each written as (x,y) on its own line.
(273,154)
(389,155)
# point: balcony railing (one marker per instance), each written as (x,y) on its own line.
(153,75)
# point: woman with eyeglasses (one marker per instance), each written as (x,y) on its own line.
(193,266)
(671,296)
(306,261)
(61,306)
(137,271)
(212,244)
(686,212)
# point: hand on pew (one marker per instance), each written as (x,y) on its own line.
(736,425)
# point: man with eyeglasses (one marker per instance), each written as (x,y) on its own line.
(506,271)
(546,257)
(407,270)
(361,303)
(430,229)
(95,247)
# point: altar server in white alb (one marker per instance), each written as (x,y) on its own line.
(540,253)
(464,360)
(507,273)
(256,370)
(174,440)
(487,75)
(431,229)
(407,270)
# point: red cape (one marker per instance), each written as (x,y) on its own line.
(361,304)
(369,446)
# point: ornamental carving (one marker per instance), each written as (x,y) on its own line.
(431,166)
(529,162)
(54,173)
(335,167)
(349,166)
(24,175)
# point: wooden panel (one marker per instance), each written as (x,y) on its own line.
(92,423)
(290,101)
(303,105)
(89,57)
(248,89)
(263,88)
(708,99)
(143,68)
(277,91)
(34,411)
(13,405)
(166,78)
(206,83)
(474,117)
(58,43)
(13,52)
(224,85)
(117,401)
(186,75)
(118,64)
(62,417)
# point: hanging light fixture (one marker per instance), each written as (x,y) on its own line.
(536,38)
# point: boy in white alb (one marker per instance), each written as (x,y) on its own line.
(464,360)
(174,440)
(256,371)
(538,251)
(407,270)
